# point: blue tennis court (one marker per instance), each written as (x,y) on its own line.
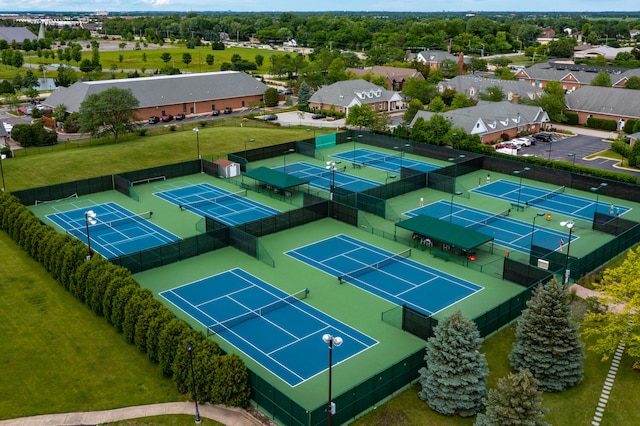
(394,278)
(116,231)
(279,331)
(319,177)
(544,200)
(231,208)
(508,232)
(384,161)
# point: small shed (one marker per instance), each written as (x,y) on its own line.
(227,168)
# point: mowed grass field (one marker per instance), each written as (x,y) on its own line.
(58,356)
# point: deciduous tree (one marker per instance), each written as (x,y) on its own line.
(111,111)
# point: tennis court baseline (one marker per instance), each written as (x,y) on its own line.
(278,331)
(319,177)
(207,200)
(506,231)
(555,201)
(116,232)
(384,161)
(391,277)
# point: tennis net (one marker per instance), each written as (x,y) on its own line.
(324,174)
(375,266)
(379,160)
(38,202)
(548,195)
(289,300)
(215,200)
(488,220)
(99,224)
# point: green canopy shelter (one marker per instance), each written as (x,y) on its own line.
(274,180)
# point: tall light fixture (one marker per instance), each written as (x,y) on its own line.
(597,189)
(332,342)
(451,210)
(386,181)
(533,229)
(193,380)
(573,160)
(197,132)
(284,157)
(455,161)
(245,147)
(565,278)
(519,173)
(331,166)
(2,157)
(89,219)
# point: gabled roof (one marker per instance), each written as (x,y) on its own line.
(164,90)
(392,73)
(472,85)
(490,117)
(353,92)
(435,56)
(605,100)
(19,34)
(442,230)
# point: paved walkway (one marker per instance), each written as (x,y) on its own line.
(226,415)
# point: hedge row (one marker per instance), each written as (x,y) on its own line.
(111,292)
(602,123)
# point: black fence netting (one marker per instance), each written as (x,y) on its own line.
(286,220)
(501,315)
(273,401)
(441,182)
(62,191)
(417,323)
(240,159)
(174,252)
(344,213)
(307,148)
(243,241)
(264,153)
(613,225)
(211,168)
(411,181)
(523,274)
(168,171)
(606,252)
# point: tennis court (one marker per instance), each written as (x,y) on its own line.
(384,161)
(392,277)
(320,177)
(231,208)
(556,201)
(279,331)
(506,231)
(115,231)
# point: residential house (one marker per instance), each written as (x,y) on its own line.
(472,86)
(342,95)
(172,94)
(394,76)
(434,58)
(604,102)
(494,121)
(609,53)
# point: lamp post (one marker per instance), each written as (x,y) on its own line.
(349,139)
(533,229)
(284,161)
(89,219)
(193,380)
(332,342)
(455,161)
(2,157)
(596,189)
(573,160)
(197,132)
(519,173)
(565,278)
(245,147)
(386,181)
(451,210)
(455,138)
(331,166)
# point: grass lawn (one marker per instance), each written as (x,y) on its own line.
(178,420)
(57,356)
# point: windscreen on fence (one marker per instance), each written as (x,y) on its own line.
(417,323)
(501,315)
(63,191)
(168,171)
(523,274)
(286,220)
(613,225)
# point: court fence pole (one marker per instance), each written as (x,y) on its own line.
(193,380)
(331,341)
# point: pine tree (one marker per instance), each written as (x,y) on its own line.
(304,94)
(547,341)
(516,402)
(454,382)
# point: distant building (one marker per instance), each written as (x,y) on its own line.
(394,76)
(604,102)
(342,95)
(472,86)
(17,34)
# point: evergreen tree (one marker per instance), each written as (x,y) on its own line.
(304,93)
(455,378)
(547,341)
(516,402)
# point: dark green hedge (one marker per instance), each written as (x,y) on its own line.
(572,118)
(111,292)
(603,124)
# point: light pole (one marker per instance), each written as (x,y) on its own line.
(386,181)
(2,157)
(332,342)
(519,173)
(451,210)
(565,278)
(284,161)
(193,380)
(349,139)
(597,189)
(197,132)
(573,160)
(331,166)
(402,151)
(89,219)
(455,161)
(245,147)
(533,229)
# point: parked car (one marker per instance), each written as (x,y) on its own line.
(180,116)
(508,145)
(228,110)
(508,151)
(543,137)
(215,112)
(270,117)
(154,119)
(318,116)
(167,117)
(521,141)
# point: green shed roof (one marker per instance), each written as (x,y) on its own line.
(448,233)
(275,178)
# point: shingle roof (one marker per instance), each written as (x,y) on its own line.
(605,100)
(472,85)
(19,34)
(165,90)
(390,72)
(346,93)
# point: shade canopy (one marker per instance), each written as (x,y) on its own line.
(275,178)
(448,233)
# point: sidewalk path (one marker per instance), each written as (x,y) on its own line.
(227,415)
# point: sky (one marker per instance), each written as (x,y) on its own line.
(324,5)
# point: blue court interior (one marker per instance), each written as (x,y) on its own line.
(207,200)
(402,282)
(384,161)
(506,231)
(570,205)
(281,333)
(320,177)
(117,231)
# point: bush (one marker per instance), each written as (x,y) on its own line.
(603,124)
(572,118)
